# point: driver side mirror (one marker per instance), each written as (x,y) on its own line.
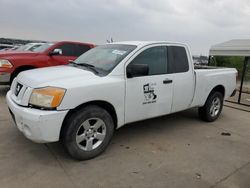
(56,52)
(136,70)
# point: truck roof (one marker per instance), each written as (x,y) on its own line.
(144,43)
(75,42)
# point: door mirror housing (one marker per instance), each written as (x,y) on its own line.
(56,52)
(136,70)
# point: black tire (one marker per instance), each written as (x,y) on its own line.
(206,113)
(13,77)
(75,123)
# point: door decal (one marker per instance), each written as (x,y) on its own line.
(149,93)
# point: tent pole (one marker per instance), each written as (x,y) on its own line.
(243,76)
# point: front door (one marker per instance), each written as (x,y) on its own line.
(149,96)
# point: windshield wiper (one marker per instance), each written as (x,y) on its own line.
(91,67)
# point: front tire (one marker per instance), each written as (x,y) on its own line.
(212,108)
(87,132)
(12,77)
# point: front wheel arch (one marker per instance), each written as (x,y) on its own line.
(18,70)
(102,104)
(78,148)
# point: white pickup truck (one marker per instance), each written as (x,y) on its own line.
(112,85)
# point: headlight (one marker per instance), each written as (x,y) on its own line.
(47,97)
(5,63)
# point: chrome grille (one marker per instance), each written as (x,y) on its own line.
(20,93)
(18,88)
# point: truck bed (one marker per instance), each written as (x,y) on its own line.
(207,77)
(206,67)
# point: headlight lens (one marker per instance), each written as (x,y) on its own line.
(48,97)
(5,63)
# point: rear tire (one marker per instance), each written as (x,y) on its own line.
(87,132)
(212,108)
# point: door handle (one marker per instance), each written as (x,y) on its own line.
(167,81)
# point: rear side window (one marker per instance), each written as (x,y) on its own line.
(178,60)
(155,58)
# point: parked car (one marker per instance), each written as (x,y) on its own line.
(112,85)
(6,49)
(29,46)
(3,47)
(48,54)
(12,48)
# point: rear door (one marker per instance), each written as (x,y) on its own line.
(151,95)
(183,77)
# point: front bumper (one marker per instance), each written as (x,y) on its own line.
(37,125)
(4,78)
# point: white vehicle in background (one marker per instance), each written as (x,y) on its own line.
(29,46)
(112,85)
(4,47)
(14,48)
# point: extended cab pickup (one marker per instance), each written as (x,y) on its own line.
(109,86)
(48,54)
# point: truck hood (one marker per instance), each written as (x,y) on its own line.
(58,76)
(12,54)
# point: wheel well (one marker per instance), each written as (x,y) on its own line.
(20,69)
(103,104)
(220,89)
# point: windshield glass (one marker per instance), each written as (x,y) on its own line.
(43,47)
(105,57)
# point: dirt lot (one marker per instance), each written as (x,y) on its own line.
(173,151)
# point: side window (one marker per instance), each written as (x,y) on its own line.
(67,49)
(177,58)
(155,58)
(80,49)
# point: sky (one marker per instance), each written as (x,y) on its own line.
(198,23)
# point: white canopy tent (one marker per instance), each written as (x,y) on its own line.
(236,47)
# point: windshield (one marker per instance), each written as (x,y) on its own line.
(43,47)
(105,57)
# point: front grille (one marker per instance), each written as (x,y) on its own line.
(18,88)
(20,93)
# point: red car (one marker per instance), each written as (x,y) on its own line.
(49,54)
